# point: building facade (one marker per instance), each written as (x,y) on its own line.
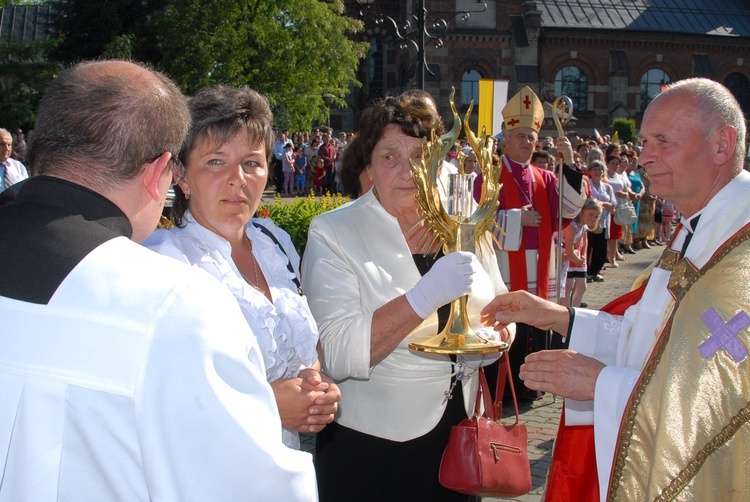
(611,57)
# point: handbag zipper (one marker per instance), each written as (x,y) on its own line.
(498,446)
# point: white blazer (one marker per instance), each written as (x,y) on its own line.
(356,261)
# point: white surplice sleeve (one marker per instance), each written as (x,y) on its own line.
(208,421)
(604,337)
(509,220)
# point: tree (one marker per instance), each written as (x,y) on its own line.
(625,128)
(292,51)
(24,71)
(91,29)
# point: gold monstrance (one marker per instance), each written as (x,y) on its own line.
(459,226)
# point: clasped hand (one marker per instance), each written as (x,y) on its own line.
(306,403)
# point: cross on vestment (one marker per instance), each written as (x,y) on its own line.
(724,335)
(527,102)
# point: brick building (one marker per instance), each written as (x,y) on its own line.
(611,57)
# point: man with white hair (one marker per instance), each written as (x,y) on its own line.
(11,170)
(663,373)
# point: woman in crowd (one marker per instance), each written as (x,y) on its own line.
(354,179)
(619,183)
(574,254)
(647,213)
(376,283)
(601,191)
(225,159)
(594,154)
(311,154)
(637,189)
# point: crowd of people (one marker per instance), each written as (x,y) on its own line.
(631,217)
(182,364)
(308,162)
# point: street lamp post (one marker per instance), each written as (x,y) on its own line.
(421,29)
(328,100)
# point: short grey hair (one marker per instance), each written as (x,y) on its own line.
(716,107)
(106,122)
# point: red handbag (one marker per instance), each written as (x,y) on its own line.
(484,457)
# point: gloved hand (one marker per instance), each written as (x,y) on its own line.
(449,278)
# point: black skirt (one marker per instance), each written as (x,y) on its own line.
(351,465)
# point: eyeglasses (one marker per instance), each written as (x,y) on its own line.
(179,169)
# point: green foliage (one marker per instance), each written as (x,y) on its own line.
(625,129)
(295,217)
(292,51)
(24,71)
(92,29)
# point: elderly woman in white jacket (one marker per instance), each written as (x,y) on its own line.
(373,288)
(226,169)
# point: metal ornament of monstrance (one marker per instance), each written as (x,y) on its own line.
(460,226)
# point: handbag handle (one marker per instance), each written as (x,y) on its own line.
(494,411)
(483,396)
(503,371)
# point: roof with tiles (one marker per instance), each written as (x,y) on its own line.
(717,17)
(26,22)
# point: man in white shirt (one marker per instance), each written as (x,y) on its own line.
(278,158)
(11,170)
(124,375)
(667,383)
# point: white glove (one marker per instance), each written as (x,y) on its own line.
(449,278)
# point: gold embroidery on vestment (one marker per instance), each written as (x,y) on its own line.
(684,276)
(688,473)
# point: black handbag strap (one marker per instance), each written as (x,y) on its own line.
(289,266)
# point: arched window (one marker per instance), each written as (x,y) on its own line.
(376,68)
(470,87)
(740,87)
(572,82)
(652,83)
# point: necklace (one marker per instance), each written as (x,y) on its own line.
(254,283)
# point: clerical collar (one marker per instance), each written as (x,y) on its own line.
(514,164)
(691,223)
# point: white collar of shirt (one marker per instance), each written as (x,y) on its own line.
(719,219)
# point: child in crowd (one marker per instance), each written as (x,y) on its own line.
(288,168)
(338,187)
(668,213)
(300,170)
(320,175)
(574,252)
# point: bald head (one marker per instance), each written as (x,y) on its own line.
(711,106)
(100,122)
(694,143)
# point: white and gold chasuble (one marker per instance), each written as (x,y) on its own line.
(685,434)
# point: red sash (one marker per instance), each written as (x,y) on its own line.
(517,259)
(573,474)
